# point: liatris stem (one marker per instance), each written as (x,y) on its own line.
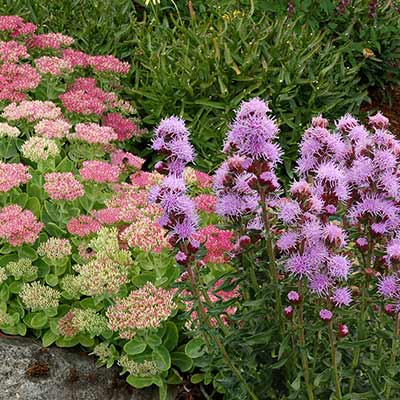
(393,353)
(303,351)
(272,263)
(361,324)
(206,321)
(336,378)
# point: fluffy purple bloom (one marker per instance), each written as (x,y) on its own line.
(388,287)
(334,235)
(287,241)
(252,132)
(320,284)
(393,250)
(294,297)
(330,178)
(341,297)
(290,211)
(325,315)
(378,121)
(339,267)
(346,123)
(172,139)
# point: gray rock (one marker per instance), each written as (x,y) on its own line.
(30,372)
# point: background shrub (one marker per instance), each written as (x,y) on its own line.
(202,68)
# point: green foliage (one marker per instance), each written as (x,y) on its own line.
(202,68)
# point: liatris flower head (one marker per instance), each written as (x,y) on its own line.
(22,269)
(172,139)
(100,171)
(294,297)
(378,121)
(346,123)
(389,287)
(39,148)
(63,186)
(144,308)
(325,315)
(287,241)
(393,250)
(55,248)
(18,226)
(37,297)
(12,175)
(339,267)
(341,297)
(362,244)
(334,235)
(389,309)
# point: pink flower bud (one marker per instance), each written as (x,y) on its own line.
(343,330)
(294,297)
(389,309)
(181,258)
(326,315)
(244,241)
(288,312)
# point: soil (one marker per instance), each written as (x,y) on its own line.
(390,110)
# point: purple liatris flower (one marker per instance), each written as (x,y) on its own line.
(389,287)
(325,315)
(341,297)
(172,139)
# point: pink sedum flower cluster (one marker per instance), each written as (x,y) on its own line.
(13,175)
(63,186)
(18,226)
(144,308)
(99,171)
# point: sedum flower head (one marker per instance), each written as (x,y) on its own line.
(5,319)
(144,308)
(7,130)
(103,351)
(55,248)
(22,268)
(37,297)
(72,284)
(3,275)
(39,148)
(82,320)
(143,369)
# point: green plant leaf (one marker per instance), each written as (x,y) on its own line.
(135,346)
(162,358)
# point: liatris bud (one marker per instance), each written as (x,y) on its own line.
(193,245)
(325,315)
(343,330)
(378,121)
(362,244)
(341,8)
(372,6)
(376,308)
(330,209)
(181,258)
(389,309)
(288,312)
(244,241)
(294,297)
(161,167)
(290,9)
(369,272)
(269,180)
(319,122)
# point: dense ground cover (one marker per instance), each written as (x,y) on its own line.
(174,273)
(321,59)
